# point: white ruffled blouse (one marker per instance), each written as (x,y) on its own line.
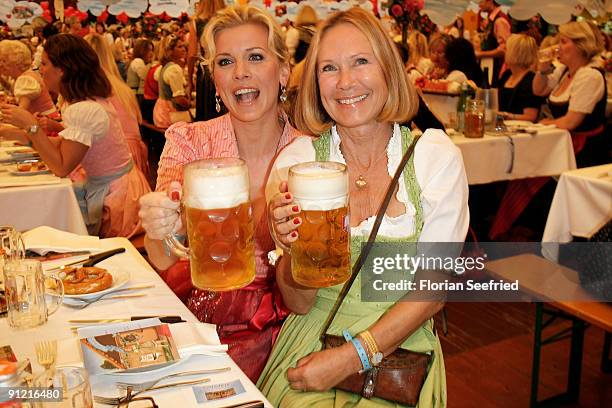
(439,172)
(85,122)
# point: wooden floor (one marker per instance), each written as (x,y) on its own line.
(488,354)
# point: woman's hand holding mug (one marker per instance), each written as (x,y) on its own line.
(159,212)
(282,214)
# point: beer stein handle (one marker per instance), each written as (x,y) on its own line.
(58,300)
(175,246)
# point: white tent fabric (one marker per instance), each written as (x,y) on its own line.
(443,12)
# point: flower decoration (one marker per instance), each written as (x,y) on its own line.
(406,14)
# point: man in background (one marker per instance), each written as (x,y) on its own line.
(495,30)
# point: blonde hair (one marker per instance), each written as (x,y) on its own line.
(521,50)
(417,45)
(402,100)
(439,38)
(109,66)
(238,15)
(207,8)
(549,41)
(306,16)
(14,52)
(582,36)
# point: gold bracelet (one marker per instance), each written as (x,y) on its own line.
(374,354)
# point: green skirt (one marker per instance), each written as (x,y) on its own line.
(299,337)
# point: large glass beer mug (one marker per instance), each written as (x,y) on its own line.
(321,255)
(219,224)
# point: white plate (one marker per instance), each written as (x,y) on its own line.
(30,173)
(23,152)
(135,372)
(522,123)
(166,369)
(120,278)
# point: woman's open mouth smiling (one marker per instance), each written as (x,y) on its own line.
(353,100)
(246,95)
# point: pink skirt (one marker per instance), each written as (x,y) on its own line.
(120,213)
(140,154)
(161,113)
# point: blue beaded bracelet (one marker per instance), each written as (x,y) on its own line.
(363,356)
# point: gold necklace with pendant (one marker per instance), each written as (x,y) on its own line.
(361,182)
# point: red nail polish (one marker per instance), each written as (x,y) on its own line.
(295,208)
(175,195)
(296,221)
(288,196)
(293,234)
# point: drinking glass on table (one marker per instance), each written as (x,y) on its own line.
(11,246)
(491,105)
(321,255)
(474,118)
(219,224)
(24,285)
(74,382)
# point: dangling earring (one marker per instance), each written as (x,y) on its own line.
(283,95)
(217,103)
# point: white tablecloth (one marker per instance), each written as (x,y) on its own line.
(159,301)
(496,158)
(32,206)
(31,201)
(581,205)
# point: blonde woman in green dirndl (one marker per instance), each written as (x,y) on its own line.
(354,95)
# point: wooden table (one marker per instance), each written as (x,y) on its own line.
(536,276)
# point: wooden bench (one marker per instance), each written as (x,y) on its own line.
(548,280)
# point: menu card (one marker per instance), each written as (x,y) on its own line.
(129,347)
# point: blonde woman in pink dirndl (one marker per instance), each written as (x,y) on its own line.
(248,61)
(124,102)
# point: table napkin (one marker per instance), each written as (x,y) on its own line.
(44,239)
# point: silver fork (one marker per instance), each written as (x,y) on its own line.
(117,400)
(83,303)
(147,384)
(46,351)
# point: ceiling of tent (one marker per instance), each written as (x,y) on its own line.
(553,11)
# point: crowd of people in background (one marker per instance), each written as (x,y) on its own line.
(80,93)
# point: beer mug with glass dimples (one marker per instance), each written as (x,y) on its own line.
(219,224)
(321,255)
(26,285)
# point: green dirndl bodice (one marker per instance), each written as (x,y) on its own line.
(299,335)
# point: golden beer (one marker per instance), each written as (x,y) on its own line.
(221,245)
(219,224)
(321,255)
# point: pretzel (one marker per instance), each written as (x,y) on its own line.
(86,280)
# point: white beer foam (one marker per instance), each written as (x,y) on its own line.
(316,187)
(208,189)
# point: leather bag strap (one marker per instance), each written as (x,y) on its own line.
(368,246)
